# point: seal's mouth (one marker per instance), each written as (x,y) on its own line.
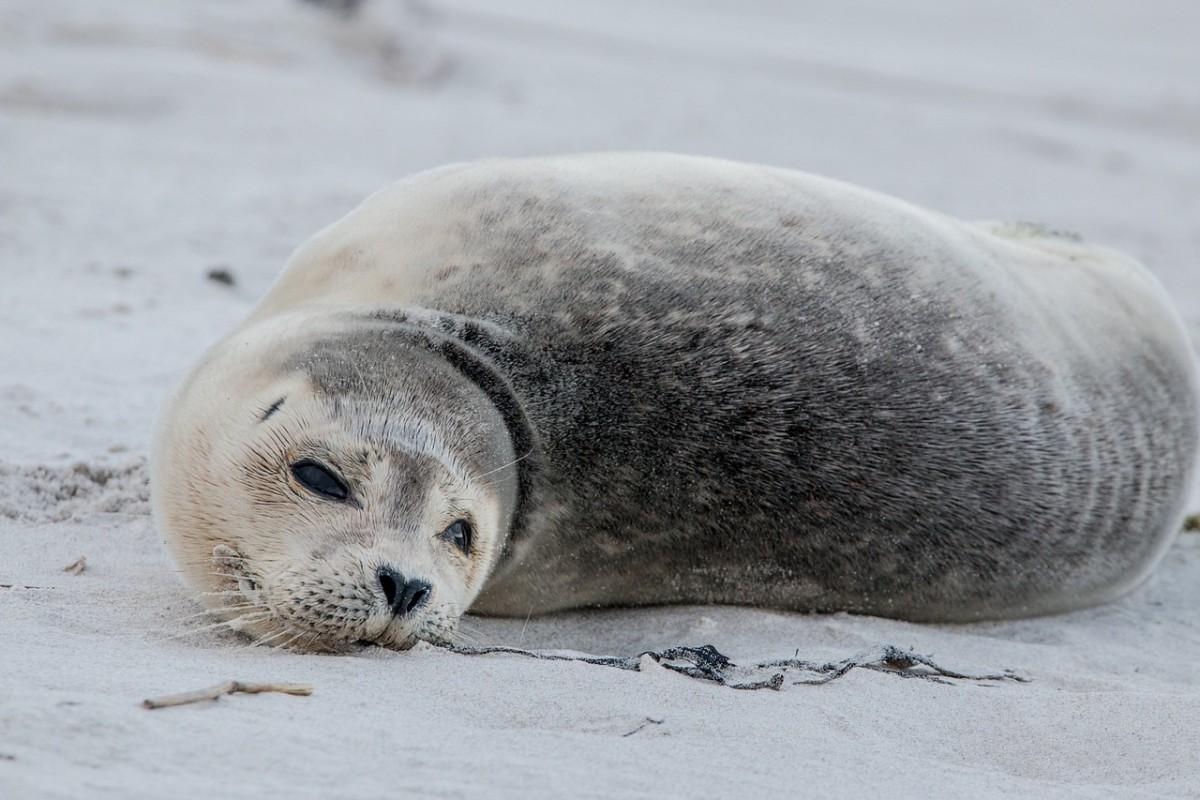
(326,619)
(242,602)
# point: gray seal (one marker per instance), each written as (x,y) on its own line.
(520,386)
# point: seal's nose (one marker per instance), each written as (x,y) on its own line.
(403,596)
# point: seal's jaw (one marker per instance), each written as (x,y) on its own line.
(319,609)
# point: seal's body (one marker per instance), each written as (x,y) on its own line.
(678,380)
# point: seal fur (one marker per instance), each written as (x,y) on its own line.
(689,381)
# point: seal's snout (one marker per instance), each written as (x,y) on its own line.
(403,595)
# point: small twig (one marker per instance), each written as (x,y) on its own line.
(1192,523)
(20,586)
(77,566)
(229,687)
(645,722)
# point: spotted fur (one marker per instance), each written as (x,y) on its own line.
(705,382)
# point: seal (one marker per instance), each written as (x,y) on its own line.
(520,386)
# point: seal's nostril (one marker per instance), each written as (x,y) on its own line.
(390,581)
(403,596)
(415,595)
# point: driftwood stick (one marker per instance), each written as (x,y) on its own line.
(77,566)
(228,687)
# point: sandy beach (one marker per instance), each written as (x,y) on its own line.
(158,163)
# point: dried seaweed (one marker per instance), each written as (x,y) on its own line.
(642,726)
(706,663)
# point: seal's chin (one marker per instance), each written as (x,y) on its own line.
(335,620)
(395,637)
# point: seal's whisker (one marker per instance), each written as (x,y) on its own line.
(264,640)
(229,575)
(459,636)
(258,642)
(209,612)
(227,608)
(228,624)
(478,478)
(209,561)
(313,638)
(524,627)
(291,640)
(460,625)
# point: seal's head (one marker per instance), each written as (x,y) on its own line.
(329,480)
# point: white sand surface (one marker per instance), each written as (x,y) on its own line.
(143,144)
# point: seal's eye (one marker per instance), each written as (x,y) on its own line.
(319,480)
(459,535)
